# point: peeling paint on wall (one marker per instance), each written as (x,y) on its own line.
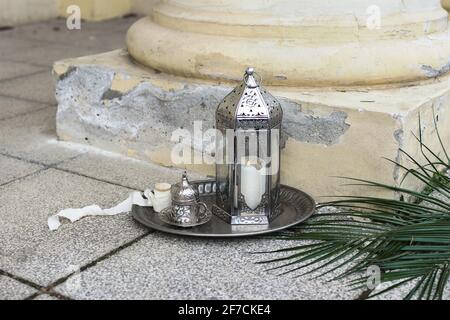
(150,114)
(313,129)
(434,73)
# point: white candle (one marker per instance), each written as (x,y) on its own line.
(253,183)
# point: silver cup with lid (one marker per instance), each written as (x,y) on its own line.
(186,209)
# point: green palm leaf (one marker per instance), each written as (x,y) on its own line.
(408,241)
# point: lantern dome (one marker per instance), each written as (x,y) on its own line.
(249,105)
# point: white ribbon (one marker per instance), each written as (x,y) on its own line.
(136,198)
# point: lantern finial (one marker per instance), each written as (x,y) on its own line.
(249,78)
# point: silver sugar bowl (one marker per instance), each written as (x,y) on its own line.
(186,209)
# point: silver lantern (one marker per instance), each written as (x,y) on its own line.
(248,123)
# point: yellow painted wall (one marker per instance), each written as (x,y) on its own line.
(13,12)
(96,10)
(144,6)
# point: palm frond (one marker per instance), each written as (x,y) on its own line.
(409,241)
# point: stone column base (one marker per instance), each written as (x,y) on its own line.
(110,102)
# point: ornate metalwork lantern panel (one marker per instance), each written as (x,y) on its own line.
(248,154)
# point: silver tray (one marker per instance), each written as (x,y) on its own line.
(297,207)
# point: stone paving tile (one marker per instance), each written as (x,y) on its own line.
(56,32)
(167,267)
(11,107)
(45,55)
(10,70)
(11,169)
(108,42)
(135,174)
(11,289)
(56,42)
(111,26)
(28,137)
(29,250)
(9,47)
(37,87)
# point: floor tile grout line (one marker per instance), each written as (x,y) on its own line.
(25,113)
(21,280)
(23,178)
(50,288)
(24,160)
(39,42)
(34,42)
(89,51)
(45,166)
(51,293)
(55,166)
(98,260)
(93,178)
(48,166)
(61,44)
(32,64)
(49,104)
(24,75)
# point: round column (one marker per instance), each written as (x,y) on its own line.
(446,4)
(296,42)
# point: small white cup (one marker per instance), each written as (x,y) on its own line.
(160,197)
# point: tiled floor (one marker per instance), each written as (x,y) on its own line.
(99,258)
(40,176)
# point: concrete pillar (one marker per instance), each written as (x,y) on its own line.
(295,42)
(446,4)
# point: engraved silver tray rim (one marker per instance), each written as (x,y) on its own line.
(297,207)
